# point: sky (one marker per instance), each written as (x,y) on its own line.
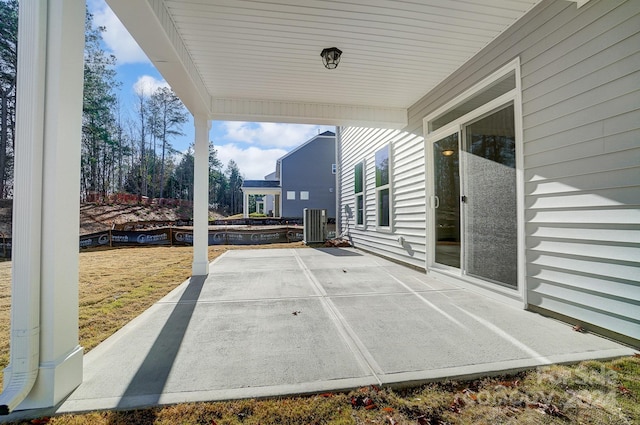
(255,147)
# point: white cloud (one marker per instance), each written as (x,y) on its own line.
(274,135)
(146,85)
(116,37)
(254,163)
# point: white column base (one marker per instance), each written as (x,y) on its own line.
(200,268)
(56,380)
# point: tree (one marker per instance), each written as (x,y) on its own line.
(167,114)
(100,148)
(218,183)
(8,72)
(182,182)
(234,191)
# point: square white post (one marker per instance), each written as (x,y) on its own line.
(245,204)
(47,197)
(201,197)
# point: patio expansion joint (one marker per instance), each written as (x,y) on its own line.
(363,356)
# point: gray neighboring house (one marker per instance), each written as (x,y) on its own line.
(304,178)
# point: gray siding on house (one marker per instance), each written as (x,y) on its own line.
(308,169)
(581,125)
(580,77)
(407,188)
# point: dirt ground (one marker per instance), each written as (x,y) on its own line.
(99,217)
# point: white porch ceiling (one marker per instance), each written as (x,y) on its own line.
(259,60)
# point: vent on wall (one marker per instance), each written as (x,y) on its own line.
(315,225)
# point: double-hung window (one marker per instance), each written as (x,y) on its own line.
(383,190)
(359,192)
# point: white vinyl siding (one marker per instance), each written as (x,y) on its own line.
(581,132)
(407,210)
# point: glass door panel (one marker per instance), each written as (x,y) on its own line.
(490,207)
(447,200)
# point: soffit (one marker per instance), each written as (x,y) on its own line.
(261,58)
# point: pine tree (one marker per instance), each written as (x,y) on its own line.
(167,113)
(8,72)
(99,147)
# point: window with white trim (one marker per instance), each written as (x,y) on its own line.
(304,195)
(358,186)
(383,189)
(291,195)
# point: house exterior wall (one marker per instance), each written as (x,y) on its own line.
(580,79)
(407,188)
(308,169)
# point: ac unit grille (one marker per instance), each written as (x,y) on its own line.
(315,225)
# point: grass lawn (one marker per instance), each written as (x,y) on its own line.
(116,285)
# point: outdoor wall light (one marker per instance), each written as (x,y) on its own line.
(331,57)
(448,152)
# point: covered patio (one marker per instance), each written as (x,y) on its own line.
(294,321)
(251,61)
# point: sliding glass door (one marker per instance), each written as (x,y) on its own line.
(475,207)
(446,158)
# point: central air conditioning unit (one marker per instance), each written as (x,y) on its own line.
(315,226)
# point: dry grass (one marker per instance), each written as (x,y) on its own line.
(589,393)
(116,285)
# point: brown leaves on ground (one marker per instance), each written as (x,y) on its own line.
(337,243)
(588,393)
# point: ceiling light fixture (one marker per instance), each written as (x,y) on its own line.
(448,152)
(331,57)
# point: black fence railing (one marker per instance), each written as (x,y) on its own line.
(175,236)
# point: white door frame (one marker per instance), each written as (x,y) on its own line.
(518,295)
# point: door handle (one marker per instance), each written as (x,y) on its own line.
(436,202)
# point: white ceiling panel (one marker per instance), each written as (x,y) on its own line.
(394,51)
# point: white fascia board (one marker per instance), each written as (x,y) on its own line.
(261,191)
(150,25)
(307,113)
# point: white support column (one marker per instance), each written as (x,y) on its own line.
(201,197)
(47,199)
(245,204)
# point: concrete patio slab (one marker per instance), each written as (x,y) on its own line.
(291,321)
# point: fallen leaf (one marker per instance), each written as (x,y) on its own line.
(388,409)
(549,409)
(326,395)
(295,313)
(578,328)
(509,384)
(624,390)
(456,405)
(375,388)
(637,355)
(422,420)
(44,420)
(365,402)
